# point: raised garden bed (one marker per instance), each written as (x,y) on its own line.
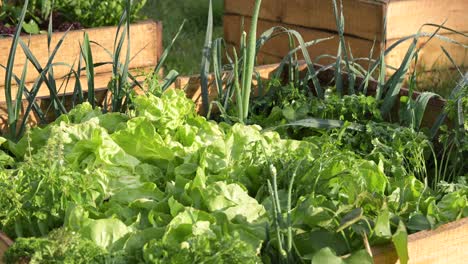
(309,171)
(453,235)
(146,43)
(192,87)
(424,247)
(364,23)
(5,243)
(446,244)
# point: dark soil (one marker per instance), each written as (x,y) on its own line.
(59,24)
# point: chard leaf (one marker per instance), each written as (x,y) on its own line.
(382,225)
(326,255)
(352,217)
(400,241)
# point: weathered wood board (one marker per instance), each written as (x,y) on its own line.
(146,48)
(446,244)
(364,23)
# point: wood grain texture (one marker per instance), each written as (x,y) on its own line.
(364,22)
(446,244)
(5,242)
(146,48)
(431,55)
(363,18)
(279,46)
(405,17)
(101,81)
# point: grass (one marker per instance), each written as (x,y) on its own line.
(186,53)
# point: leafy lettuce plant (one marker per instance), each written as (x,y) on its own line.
(87,13)
(60,245)
(163,184)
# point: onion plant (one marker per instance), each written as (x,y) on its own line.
(13,110)
(234,86)
(120,86)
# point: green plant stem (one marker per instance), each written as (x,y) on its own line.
(251,54)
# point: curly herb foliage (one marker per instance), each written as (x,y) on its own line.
(402,150)
(60,246)
(202,249)
(286,104)
(36,194)
(95,13)
(89,13)
(453,152)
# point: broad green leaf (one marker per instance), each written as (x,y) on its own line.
(319,123)
(187,223)
(359,257)
(104,232)
(233,201)
(4,158)
(453,206)
(175,206)
(141,140)
(326,255)
(420,107)
(147,191)
(311,242)
(31,27)
(400,241)
(418,222)
(137,240)
(352,217)
(382,224)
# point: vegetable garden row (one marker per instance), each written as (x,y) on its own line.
(290,163)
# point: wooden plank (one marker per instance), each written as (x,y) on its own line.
(5,242)
(431,57)
(44,103)
(101,80)
(405,17)
(146,48)
(446,244)
(266,58)
(279,46)
(363,18)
